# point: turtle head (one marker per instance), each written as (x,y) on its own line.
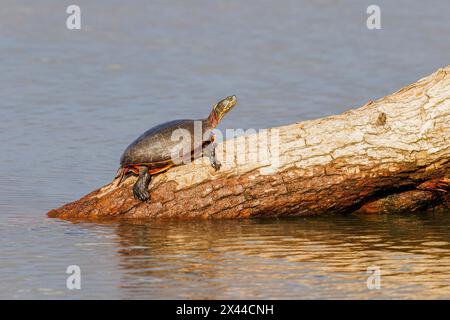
(220,109)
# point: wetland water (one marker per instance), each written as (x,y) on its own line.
(73,100)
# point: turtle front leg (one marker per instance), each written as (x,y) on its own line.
(210,152)
(140,188)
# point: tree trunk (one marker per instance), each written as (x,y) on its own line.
(391,155)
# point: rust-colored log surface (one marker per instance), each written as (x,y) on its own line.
(391,155)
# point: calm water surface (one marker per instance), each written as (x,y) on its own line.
(72,100)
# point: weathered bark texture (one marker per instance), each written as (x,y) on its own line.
(391,155)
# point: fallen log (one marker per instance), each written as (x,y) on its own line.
(391,155)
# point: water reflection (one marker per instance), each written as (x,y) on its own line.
(288,258)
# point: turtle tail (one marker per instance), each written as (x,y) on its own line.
(120,174)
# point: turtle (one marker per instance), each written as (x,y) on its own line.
(158,149)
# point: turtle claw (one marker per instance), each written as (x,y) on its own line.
(140,194)
(216,165)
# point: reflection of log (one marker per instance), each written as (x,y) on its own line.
(211,259)
(380,152)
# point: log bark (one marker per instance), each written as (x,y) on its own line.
(391,155)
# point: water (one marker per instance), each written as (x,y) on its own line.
(72,100)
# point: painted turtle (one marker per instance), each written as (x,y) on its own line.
(153,152)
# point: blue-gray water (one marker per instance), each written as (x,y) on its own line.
(72,100)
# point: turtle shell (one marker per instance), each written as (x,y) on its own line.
(156,145)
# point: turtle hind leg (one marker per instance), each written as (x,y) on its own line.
(140,188)
(210,152)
